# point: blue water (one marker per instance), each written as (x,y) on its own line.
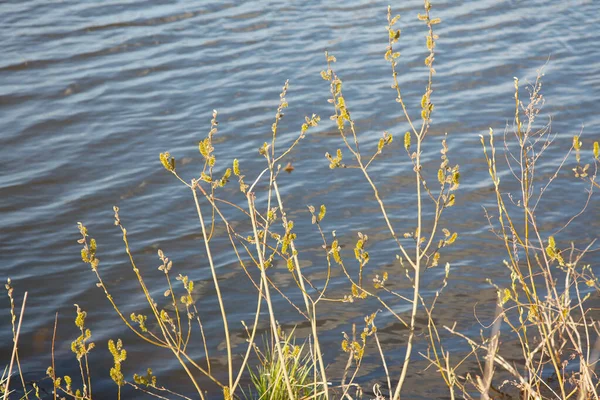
(92,92)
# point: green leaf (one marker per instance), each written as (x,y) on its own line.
(506,296)
(452,238)
(451,200)
(441,176)
(322,212)
(430,43)
(576,143)
(167,161)
(456,178)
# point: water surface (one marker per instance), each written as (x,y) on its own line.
(92,92)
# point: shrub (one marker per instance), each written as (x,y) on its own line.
(551,322)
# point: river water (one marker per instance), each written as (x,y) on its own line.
(92,92)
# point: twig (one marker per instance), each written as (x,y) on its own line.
(14,352)
(53,366)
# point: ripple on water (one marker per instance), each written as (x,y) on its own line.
(91,93)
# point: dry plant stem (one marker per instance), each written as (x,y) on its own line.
(397,85)
(385,368)
(363,168)
(526,185)
(381,301)
(15,345)
(594,355)
(417,278)
(216,283)
(489,362)
(177,316)
(311,311)
(270,192)
(262,282)
(450,375)
(86,386)
(12,321)
(89,377)
(346,369)
(263,275)
(441,361)
(318,354)
(164,330)
(314,369)
(110,299)
(141,389)
(531,297)
(587,369)
(587,384)
(167,337)
(417,167)
(188,372)
(502,362)
(162,389)
(554,316)
(251,340)
(231,232)
(350,384)
(548,334)
(526,190)
(384,212)
(52,354)
(18,360)
(328,258)
(199,368)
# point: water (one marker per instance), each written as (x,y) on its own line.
(92,92)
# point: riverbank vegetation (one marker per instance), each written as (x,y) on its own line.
(544,309)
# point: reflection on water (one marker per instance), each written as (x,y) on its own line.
(92,92)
